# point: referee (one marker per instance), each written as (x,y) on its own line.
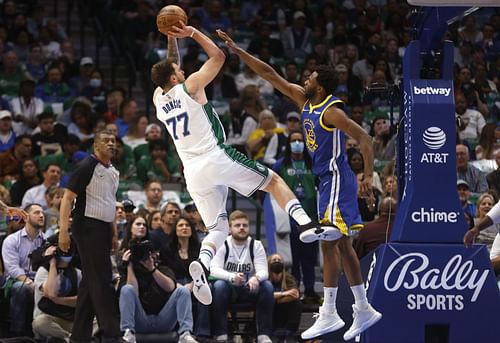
(93,184)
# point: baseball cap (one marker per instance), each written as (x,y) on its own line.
(298,14)
(293,115)
(5,114)
(86,60)
(128,205)
(463,183)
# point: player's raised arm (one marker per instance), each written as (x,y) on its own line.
(198,80)
(173,50)
(265,71)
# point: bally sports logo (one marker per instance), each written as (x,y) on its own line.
(435,288)
(434,138)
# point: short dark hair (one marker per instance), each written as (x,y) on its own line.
(161,72)
(327,78)
(150,182)
(19,139)
(100,133)
(45,115)
(158,143)
(71,139)
(28,207)
(48,165)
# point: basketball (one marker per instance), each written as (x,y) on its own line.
(168,17)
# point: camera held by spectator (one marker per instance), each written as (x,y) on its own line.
(140,251)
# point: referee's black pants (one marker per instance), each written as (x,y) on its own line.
(96,294)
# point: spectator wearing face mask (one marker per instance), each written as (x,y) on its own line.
(287,305)
(96,92)
(295,169)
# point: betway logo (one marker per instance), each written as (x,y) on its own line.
(431,216)
(411,271)
(431,91)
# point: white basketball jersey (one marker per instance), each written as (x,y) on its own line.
(195,129)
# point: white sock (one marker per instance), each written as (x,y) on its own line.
(360,296)
(330,298)
(295,210)
(206,255)
(216,237)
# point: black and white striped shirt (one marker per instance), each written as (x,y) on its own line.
(95,185)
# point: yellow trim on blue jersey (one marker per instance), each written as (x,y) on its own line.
(339,221)
(326,217)
(312,107)
(323,125)
(357,227)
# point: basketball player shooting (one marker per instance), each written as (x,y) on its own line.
(325,125)
(210,166)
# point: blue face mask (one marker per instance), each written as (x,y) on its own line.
(95,83)
(297,147)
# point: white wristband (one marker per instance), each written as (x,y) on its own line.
(192,34)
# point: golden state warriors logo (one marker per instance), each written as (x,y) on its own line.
(310,135)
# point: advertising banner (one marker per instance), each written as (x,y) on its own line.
(427,285)
(432,289)
(429,209)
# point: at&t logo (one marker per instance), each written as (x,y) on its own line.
(434,138)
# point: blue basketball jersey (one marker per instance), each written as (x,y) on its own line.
(337,203)
(326,145)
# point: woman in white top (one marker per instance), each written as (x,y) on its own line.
(484,205)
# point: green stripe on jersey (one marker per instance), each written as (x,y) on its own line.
(243,160)
(213,118)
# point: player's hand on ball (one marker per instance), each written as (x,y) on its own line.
(181,30)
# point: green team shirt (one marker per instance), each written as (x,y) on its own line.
(302,182)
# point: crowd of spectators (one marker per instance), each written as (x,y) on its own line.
(52,101)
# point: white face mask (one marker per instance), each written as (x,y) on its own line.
(95,83)
(297,147)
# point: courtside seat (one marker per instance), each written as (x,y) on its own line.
(241,320)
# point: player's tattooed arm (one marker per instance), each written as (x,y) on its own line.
(173,50)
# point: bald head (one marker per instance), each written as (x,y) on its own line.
(388,206)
